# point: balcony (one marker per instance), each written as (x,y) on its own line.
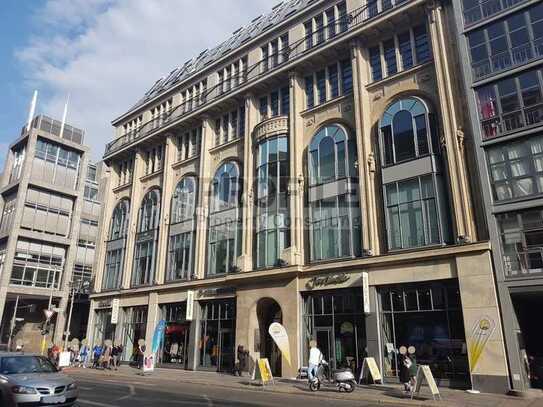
(345,24)
(271,127)
(508,59)
(526,263)
(501,125)
(486,9)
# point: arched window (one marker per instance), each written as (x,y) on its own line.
(115,247)
(183,201)
(407,129)
(272,226)
(182,231)
(119,220)
(333,195)
(415,199)
(331,156)
(224,235)
(146,239)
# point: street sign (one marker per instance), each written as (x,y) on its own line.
(48,313)
(115,306)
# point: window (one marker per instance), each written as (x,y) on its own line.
(230,127)
(477,10)
(334,212)
(273,234)
(91,173)
(146,239)
(126,170)
(18,160)
(507,43)
(8,214)
(405,131)
(412,213)
(184,200)
(119,220)
(47,212)
(55,164)
(153,160)
(229,77)
(224,235)
(326,25)
(160,114)
(412,47)
(130,129)
(276,103)
(516,169)
(188,144)
(90,193)
(522,242)
(113,269)
(333,81)
(510,104)
(274,52)
(38,264)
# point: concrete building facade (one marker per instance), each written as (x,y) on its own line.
(48,229)
(501,43)
(311,170)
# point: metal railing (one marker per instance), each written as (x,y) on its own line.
(508,59)
(486,9)
(503,124)
(343,24)
(527,262)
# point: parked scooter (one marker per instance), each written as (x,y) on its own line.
(342,378)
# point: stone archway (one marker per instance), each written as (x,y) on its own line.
(269,311)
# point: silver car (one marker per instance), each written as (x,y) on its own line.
(35,381)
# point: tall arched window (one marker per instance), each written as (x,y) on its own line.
(182,231)
(272,228)
(414,193)
(146,239)
(333,195)
(115,247)
(408,131)
(224,238)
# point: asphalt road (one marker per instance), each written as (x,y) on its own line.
(128,392)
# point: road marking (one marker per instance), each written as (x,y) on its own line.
(95,403)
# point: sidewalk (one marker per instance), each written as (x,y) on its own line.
(388,394)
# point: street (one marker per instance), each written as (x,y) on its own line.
(138,392)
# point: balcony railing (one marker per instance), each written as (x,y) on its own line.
(508,59)
(296,50)
(486,9)
(526,263)
(510,122)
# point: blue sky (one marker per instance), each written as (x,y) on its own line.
(103,53)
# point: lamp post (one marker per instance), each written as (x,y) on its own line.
(76,287)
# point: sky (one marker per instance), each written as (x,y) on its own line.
(102,54)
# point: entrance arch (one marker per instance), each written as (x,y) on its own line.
(269,311)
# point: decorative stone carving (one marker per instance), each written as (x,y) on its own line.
(460,137)
(271,127)
(371,162)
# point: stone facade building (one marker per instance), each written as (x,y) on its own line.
(501,43)
(48,229)
(311,170)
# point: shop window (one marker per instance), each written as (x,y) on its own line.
(174,349)
(217,335)
(103,328)
(273,232)
(224,235)
(427,316)
(133,329)
(146,239)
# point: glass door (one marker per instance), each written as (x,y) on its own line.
(226,350)
(325,340)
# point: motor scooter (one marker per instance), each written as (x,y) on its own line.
(342,378)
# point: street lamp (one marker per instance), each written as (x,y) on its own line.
(76,287)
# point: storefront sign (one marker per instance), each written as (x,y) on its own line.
(216,292)
(280,337)
(424,372)
(324,281)
(370,368)
(104,304)
(190,305)
(366,292)
(480,334)
(115,306)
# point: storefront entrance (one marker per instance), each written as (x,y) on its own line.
(530,337)
(427,316)
(103,329)
(134,329)
(217,335)
(336,321)
(268,312)
(174,348)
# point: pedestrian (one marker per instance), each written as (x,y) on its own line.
(141,354)
(97,355)
(408,368)
(83,356)
(106,356)
(116,353)
(315,359)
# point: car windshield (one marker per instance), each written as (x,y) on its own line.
(25,364)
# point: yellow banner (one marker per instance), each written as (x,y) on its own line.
(280,337)
(478,339)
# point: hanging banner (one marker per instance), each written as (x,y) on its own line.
(366,292)
(480,334)
(280,337)
(115,306)
(190,305)
(158,336)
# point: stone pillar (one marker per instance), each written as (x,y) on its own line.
(90,323)
(249,193)
(481,315)
(296,184)
(153,315)
(135,201)
(372,328)
(168,185)
(202,209)
(365,153)
(453,136)
(193,351)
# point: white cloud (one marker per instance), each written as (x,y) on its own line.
(107,53)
